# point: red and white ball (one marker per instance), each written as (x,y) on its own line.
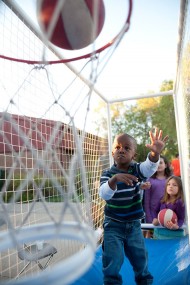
(74,26)
(166,215)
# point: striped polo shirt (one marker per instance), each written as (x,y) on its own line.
(125,204)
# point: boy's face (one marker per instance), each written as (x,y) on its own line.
(124,150)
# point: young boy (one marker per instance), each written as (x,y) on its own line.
(119,187)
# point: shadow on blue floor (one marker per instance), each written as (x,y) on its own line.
(169,263)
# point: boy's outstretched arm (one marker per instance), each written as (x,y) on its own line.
(157,144)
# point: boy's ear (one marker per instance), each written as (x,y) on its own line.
(135,155)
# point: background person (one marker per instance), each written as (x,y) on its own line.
(175,164)
(172,199)
(153,195)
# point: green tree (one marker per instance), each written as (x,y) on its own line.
(164,118)
(144,114)
(147,114)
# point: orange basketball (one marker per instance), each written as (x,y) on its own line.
(166,215)
(74,27)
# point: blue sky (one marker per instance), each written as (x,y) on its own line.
(147,54)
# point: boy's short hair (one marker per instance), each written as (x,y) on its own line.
(129,136)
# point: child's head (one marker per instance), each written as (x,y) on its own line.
(124,149)
(163,166)
(173,189)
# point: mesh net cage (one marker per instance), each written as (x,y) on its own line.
(55,140)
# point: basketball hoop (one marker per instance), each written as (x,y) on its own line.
(94,53)
(64,272)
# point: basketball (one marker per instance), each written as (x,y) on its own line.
(166,215)
(71,24)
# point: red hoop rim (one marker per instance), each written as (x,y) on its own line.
(88,55)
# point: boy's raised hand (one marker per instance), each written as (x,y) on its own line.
(157,142)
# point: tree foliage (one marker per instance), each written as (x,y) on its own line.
(143,115)
(147,114)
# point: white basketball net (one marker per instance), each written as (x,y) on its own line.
(51,149)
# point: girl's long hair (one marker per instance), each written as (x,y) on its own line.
(179,195)
(167,171)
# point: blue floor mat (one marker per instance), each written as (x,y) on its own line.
(169,263)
